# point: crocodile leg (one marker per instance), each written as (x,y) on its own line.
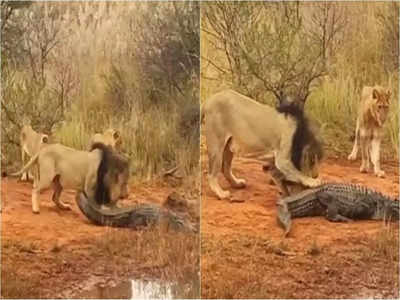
(278,179)
(286,187)
(333,215)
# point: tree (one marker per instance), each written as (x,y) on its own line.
(269,46)
(168,48)
(388,18)
(26,96)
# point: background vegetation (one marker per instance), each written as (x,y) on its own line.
(74,69)
(320,53)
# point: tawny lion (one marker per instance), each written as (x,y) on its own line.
(102,174)
(110,137)
(235,122)
(372,114)
(31,142)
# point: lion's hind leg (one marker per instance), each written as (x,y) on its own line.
(227,167)
(215,152)
(353,154)
(38,188)
(57,187)
(215,164)
(43,182)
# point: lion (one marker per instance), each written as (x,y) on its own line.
(235,123)
(373,110)
(110,137)
(31,142)
(101,174)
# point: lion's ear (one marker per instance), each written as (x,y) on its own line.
(375,94)
(389,94)
(45,138)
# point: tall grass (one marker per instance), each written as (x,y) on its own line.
(359,61)
(153,143)
(114,87)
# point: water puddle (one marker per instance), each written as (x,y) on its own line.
(133,289)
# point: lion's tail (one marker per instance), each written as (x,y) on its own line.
(27,166)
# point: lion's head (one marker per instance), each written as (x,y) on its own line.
(112,175)
(310,161)
(306,151)
(313,150)
(380,107)
(113,138)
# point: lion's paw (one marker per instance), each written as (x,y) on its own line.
(380,174)
(312,183)
(64,206)
(224,195)
(352,156)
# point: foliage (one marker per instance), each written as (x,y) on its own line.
(84,67)
(364,54)
(270,46)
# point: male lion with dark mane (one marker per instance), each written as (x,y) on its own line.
(101,174)
(235,123)
(372,113)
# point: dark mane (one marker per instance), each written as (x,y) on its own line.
(102,192)
(303,135)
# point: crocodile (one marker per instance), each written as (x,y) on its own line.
(338,202)
(136,216)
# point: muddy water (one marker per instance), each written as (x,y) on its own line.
(133,289)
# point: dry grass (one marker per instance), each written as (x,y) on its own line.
(167,257)
(170,257)
(110,90)
(384,246)
(19,286)
(358,62)
(16,283)
(250,267)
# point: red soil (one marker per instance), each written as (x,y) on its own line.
(55,253)
(243,249)
(54,226)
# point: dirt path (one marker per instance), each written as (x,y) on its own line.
(243,249)
(60,253)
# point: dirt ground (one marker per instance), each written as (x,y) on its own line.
(60,253)
(245,256)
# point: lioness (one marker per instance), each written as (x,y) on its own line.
(235,122)
(372,113)
(101,173)
(110,137)
(31,142)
